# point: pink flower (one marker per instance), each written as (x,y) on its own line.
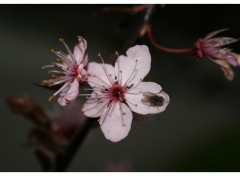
(211,47)
(69,70)
(119,90)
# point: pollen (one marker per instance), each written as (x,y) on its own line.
(51,98)
(61,40)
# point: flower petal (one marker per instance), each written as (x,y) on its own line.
(221,41)
(80,49)
(94,107)
(135,66)
(98,76)
(225,67)
(139,102)
(117,122)
(69,94)
(214,33)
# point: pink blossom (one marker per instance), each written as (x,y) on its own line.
(212,48)
(69,70)
(119,90)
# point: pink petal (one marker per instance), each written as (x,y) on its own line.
(225,67)
(80,49)
(112,127)
(94,108)
(221,41)
(215,33)
(69,94)
(135,66)
(98,77)
(85,60)
(136,103)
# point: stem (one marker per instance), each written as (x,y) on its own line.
(63,161)
(163,48)
(137,25)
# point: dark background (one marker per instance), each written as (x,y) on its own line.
(199,131)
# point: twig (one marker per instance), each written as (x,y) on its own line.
(63,161)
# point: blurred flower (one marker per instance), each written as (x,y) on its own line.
(54,132)
(119,90)
(26,107)
(69,70)
(212,48)
(120,166)
(53,142)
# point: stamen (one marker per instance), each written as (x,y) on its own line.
(100,85)
(94,100)
(118,60)
(61,66)
(60,54)
(51,98)
(54,95)
(104,106)
(131,76)
(55,76)
(101,80)
(105,69)
(68,49)
(133,87)
(47,66)
(94,88)
(53,82)
(108,111)
(55,71)
(100,97)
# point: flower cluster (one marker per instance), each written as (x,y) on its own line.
(116,91)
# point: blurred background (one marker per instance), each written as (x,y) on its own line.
(199,131)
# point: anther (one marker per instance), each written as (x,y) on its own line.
(99,55)
(116,52)
(61,40)
(51,98)
(52,50)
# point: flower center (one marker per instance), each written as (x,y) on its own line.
(117,93)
